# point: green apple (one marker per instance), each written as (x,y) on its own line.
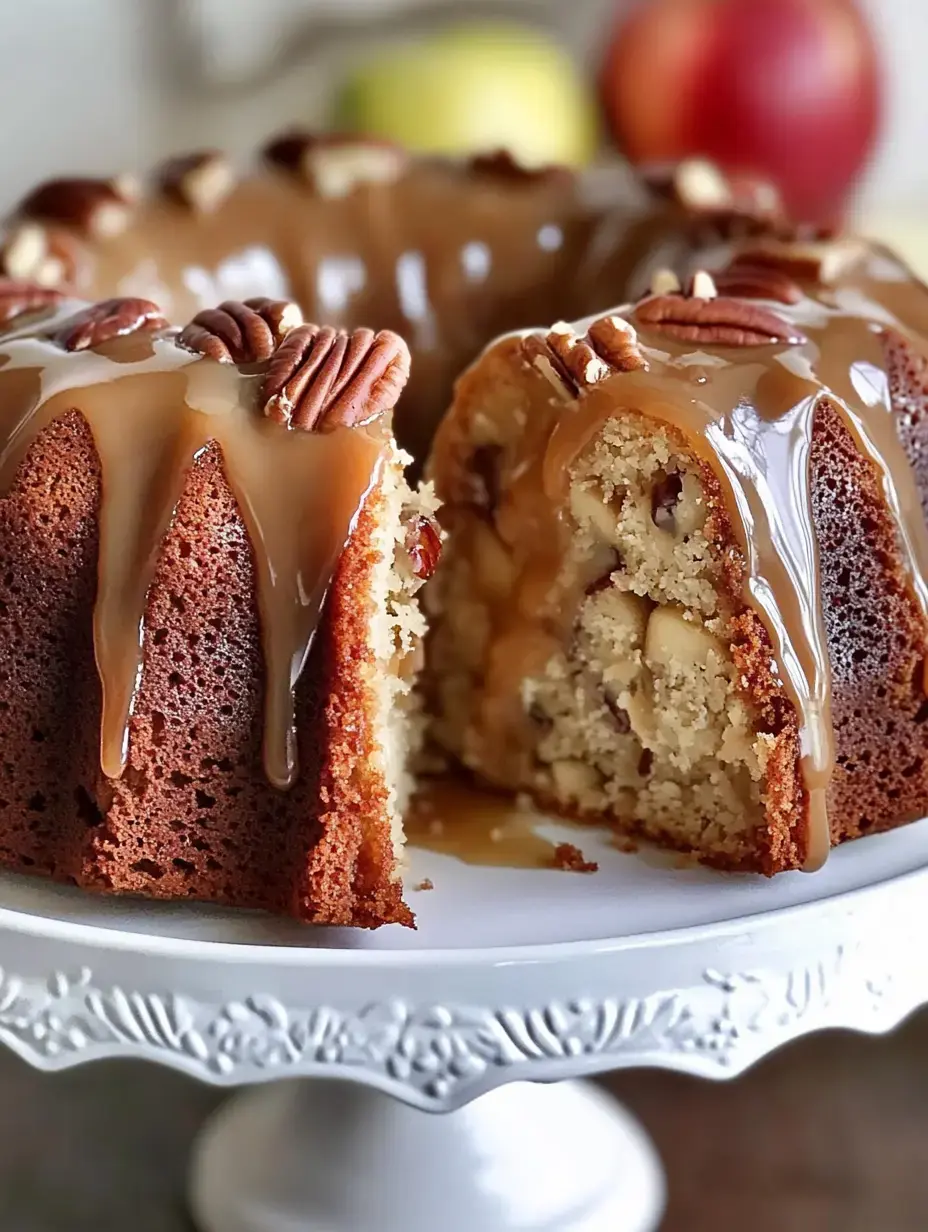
(475,87)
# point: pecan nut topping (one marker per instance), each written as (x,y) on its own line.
(17,298)
(703,189)
(286,151)
(716,322)
(35,253)
(539,355)
(108,319)
(98,208)
(241,333)
(334,163)
(746,279)
(322,378)
(573,363)
(576,357)
(423,546)
(503,165)
(201,180)
(823,260)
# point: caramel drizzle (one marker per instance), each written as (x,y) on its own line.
(152,408)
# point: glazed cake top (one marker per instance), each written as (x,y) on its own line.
(448,254)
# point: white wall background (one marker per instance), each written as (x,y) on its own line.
(95,85)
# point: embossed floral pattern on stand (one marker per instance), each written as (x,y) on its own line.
(439,1056)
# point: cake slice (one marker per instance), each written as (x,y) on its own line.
(684,585)
(209,628)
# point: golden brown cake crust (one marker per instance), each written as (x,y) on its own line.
(876,635)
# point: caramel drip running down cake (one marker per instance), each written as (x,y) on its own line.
(207,605)
(685,580)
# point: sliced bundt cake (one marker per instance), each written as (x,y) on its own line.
(685,581)
(208,623)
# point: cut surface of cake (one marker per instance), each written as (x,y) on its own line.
(208,612)
(684,588)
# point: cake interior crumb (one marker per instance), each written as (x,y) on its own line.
(636,717)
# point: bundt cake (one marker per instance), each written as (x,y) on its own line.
(208,624)
(683,589)
(685,580)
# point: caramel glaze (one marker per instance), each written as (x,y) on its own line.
(152,407)
(445,257)
(454,818)
(747,414)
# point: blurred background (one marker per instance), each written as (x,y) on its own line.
(828,95)
(118,83)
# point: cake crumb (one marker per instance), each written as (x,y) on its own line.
(436,828)
(572,860)
(628,846)
(426,884)
(496,834)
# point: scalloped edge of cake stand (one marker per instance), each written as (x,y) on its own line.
(440,1028)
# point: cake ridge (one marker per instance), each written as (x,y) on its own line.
(299,493)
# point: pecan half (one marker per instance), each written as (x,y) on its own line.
(334,164)
(98,208)
(715,322)
(744,279)
(423,544)
(108,319)
(322,378)
(577,358)
(18,298)
(614,339)
(201,181)
(503,165)
(574,362)
(241,333)
(702,188)
(813,260)
(537,353)
(35,253)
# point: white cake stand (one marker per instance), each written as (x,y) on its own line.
(515,978)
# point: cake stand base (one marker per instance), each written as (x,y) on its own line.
(306,1156)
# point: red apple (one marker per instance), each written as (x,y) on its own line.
(786,89)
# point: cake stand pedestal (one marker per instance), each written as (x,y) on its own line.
(331,1156)
(517,985)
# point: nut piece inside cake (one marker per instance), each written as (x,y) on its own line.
(582,643)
